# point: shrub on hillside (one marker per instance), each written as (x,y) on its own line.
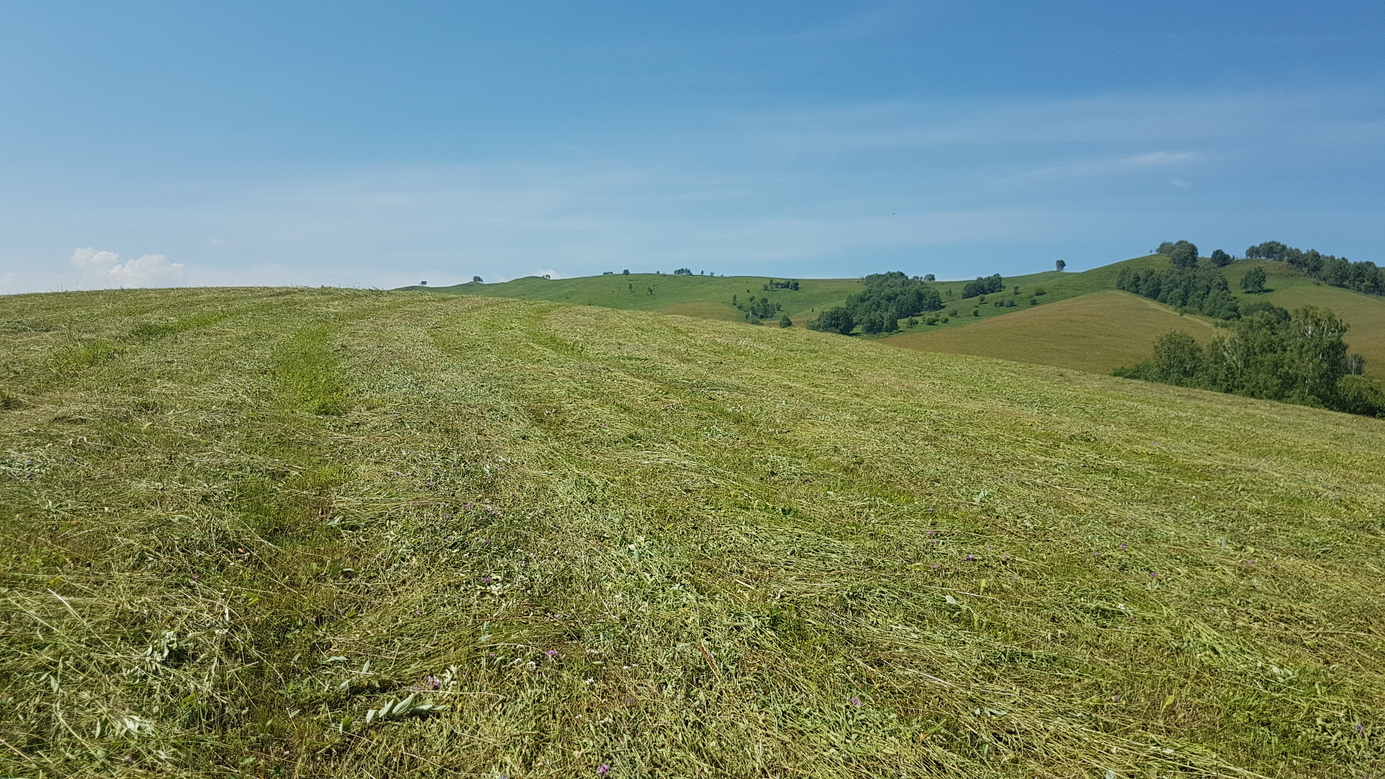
(834,320)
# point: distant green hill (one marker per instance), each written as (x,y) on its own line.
(347,533)
(708,297)
(1095,335)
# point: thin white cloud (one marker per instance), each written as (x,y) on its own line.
(1110,166)
(104,268)
(1020,121)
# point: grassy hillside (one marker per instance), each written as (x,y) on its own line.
(708,297)
(344,533)
(1098,332)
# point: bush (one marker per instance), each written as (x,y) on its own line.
(1360,395)
(834,320)
(1254,281)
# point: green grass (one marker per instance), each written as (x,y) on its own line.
(544,538)
(708,297)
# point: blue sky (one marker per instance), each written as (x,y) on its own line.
(380,144)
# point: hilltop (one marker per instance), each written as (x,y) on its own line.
(328,532)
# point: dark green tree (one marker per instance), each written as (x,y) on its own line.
(1060,265)
(475,279)
(1254,281)
(1220,258)
(784,321)
(1183,255)
(834,320)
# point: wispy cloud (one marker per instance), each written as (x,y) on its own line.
(1022,120)
(1111,166)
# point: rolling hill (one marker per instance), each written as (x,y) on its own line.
(330,532)
(1098,333)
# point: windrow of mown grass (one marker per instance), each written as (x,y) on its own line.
(373,534)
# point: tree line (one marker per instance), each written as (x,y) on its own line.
(1271,354)
(1361,276)
(1198,290)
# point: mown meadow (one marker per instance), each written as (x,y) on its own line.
(348,533)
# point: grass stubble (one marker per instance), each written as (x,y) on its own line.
(324,532)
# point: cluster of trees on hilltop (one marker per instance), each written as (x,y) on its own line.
(1271,354)
(1181,254)
(1361,276)
(888,298)
(986,285)
(1199,290)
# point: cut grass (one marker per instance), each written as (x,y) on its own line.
(542,539)
(1098,332)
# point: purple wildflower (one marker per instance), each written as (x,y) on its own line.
(552,654)
(855,701)
(603,769)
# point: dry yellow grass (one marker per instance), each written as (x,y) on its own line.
(1098,332)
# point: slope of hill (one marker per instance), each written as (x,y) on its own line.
(1098,332)
(709,297)
(317,532)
